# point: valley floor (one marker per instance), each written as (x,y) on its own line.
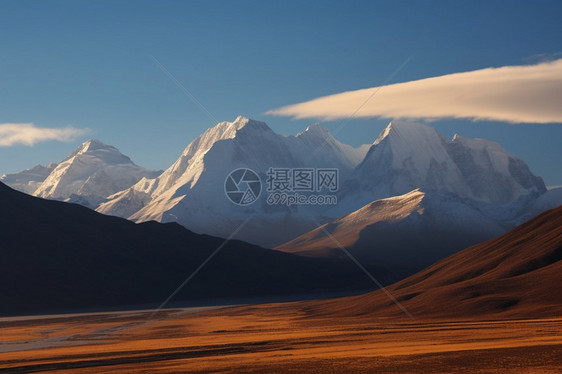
(267,339)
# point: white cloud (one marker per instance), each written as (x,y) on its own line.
(516,94)
(27,134)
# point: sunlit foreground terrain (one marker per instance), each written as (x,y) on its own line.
(274,338)
(493,307)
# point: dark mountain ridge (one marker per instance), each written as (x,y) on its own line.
(58,256)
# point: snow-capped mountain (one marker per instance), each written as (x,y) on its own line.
(402,234)
(90,174)
(404,157)
(191,191)
(29,180)
(254,145)
(491,173)
(407,156)
(486,183)
(473,190)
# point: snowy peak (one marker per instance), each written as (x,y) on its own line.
(407,132)
(491,172)
(94,144)
(321,143)
(479,144)
(412,145)
(408,155)
(242,122)
(316,136)
(29,180)
(97,149)
(93,171)
(485,153)
(226,130)
(316,130)
(188,167)
(37,171)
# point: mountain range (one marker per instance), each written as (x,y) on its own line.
(191,191)
(467,190)
(404,202)
(480,174)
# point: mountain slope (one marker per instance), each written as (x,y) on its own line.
(515,275)
(29,180)
(90,174)
(58,256)
(403,233)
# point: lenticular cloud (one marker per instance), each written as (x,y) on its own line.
(516,94)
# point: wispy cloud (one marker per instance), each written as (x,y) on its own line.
(516,94)
(27,134)
(543,57)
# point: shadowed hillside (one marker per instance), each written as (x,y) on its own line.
(515,275)
(58,256)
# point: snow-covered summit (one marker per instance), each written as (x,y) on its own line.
(411,145)
(93,144)
(322,143)
(491,173)
(317,130)
(190,164)
(96,148)
(29,180)
(408,130)
(228,130)
(93,171)
(408,155)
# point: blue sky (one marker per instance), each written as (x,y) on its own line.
(88,65)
